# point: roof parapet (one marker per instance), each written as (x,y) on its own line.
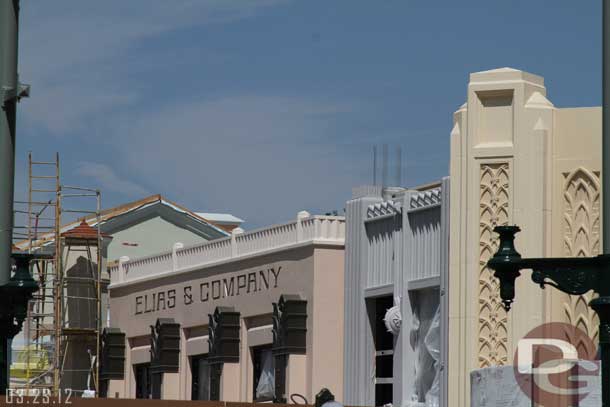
(306,229)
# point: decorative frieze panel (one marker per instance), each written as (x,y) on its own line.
(425,199)
(383,209)
(581,220)
(494,211)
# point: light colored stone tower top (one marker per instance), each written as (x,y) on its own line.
(506,75)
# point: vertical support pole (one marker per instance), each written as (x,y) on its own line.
(398,166)
(601,305)
(606,124)
(30,187)
(5,349)
(9,15)
(57,292)
(98,283)
(374,165)
(384,166)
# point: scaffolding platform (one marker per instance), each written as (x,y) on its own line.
(50,358)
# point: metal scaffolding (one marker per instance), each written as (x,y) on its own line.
(58,337)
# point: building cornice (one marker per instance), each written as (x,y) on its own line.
(316,231)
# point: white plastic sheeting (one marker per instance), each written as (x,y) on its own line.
(266,381)
(496,386)
(432,342)
(426,342)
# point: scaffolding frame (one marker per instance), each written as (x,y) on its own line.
(47,310)
(64,333)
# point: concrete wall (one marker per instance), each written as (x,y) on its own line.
(359,347)
(395,245)
(515,159)
(575,204)
(327,316)
(314,271)
(153,235)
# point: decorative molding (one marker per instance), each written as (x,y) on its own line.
(315,230)
(581,223)
(426,198)
(538,101)
(494,211)
(383,209)
(393,320)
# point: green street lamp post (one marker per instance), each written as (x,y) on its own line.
(574,276)
(14,298)
(15,291)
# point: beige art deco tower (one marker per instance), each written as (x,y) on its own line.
(516,159)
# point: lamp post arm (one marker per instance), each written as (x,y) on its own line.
(574,276)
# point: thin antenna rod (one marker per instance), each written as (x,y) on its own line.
(374,165)
(398,166)
(384,168)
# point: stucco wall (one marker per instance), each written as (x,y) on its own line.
(151,236)
(576,198)
(315,273)
(358,361)
(394,248)
(515,159)
(326,336)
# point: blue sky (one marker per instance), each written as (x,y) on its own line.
(263,108)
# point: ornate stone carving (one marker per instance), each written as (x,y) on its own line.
(393,320)
(581,220)
(494,211)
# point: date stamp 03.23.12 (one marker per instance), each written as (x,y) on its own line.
(38,397)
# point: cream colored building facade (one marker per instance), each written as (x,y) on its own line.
(516,159)
(247,272)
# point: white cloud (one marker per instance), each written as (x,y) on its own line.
(263,157)
(270,152)
(74,52)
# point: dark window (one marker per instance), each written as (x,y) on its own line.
(143,388)
(383,394)
(384,351)
(264,374)
(200,371)
(215,374)
(384,340)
